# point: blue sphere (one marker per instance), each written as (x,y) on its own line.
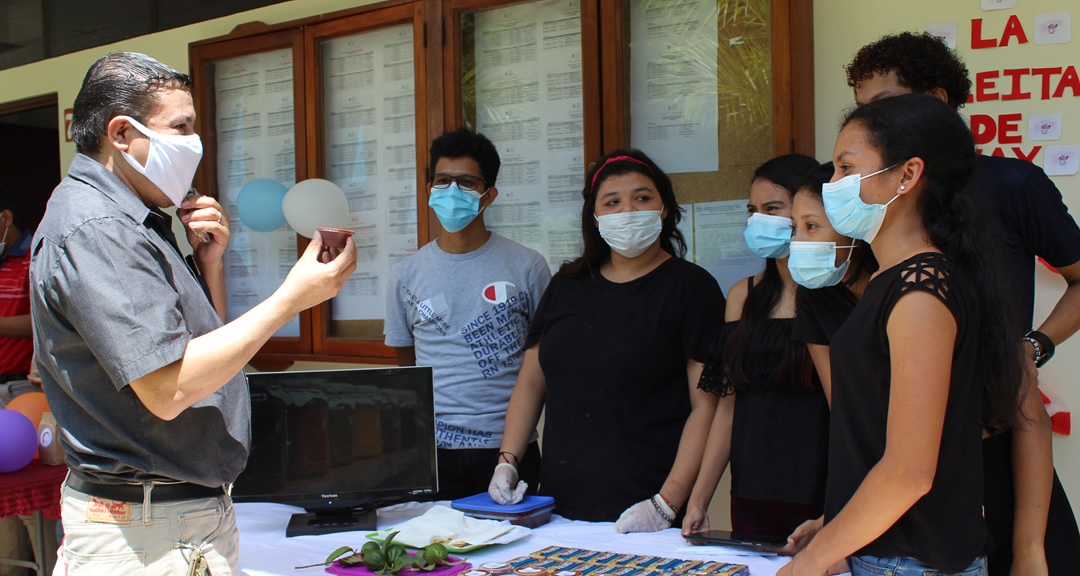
(259,205)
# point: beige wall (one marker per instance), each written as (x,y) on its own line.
(841,27)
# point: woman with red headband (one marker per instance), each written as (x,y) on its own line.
(614,355)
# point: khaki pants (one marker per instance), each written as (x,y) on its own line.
(159,543)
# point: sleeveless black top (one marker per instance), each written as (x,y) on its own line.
(945,528)
(779,441)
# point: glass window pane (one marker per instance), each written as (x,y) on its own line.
(700,91)
(521,87)
(369,150)
(256,164)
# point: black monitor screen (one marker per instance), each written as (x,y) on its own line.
(340,438)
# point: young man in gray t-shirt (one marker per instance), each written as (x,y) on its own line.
(463,305)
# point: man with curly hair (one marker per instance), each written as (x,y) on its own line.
(1025,504)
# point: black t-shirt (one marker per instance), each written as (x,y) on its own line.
(779,435)
(614,357)
(945,528)
(820,313)
(1034,222)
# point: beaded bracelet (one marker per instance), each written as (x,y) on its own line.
(1044,350)
(670,518)
(1036,345)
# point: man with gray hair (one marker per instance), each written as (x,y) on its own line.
(140,371)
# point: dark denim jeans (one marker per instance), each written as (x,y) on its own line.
(875,566)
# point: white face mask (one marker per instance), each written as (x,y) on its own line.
(630,233)
(171,161)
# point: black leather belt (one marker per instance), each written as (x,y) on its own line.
(134,492)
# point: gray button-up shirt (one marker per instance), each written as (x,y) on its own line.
(112,301)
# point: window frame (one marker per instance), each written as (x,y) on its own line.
(437,62)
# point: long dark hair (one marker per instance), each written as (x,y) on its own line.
(863,263)
(795,371)
(922,126)
(596,252)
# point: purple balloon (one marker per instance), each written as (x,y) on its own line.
(18,440)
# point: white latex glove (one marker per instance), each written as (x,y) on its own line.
(643,517)
(500,489)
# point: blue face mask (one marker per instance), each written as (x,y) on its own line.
(849,215)
(813,264)
(768,236)
(455,207)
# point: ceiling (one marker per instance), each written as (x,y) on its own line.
(80,24)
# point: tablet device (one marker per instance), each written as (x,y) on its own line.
(729,538)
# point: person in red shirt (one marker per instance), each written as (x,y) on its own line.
(16,335)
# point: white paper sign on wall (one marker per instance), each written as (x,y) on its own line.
(1044,127)
(1061,160)
(1053,28)
(944,30)
(998,4)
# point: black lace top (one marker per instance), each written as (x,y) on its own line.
(944,529)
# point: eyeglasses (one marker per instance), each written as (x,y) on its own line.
(465,181)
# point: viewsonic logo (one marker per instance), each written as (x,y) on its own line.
(496,292)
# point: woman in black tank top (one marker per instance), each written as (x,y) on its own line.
(771,423)
(926,358)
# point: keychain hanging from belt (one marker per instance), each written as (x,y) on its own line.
(197,565)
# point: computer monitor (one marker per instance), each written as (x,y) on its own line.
(340,443)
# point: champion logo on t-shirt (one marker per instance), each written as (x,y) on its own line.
(496,292)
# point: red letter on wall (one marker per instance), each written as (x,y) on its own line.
(1013,29)
(983,128)
(976,36)
(983,82)
(1029,157)
(1009,128)
(1045,73)
(1069,80)
(1016,94)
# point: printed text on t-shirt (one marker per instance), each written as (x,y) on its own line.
(496,336)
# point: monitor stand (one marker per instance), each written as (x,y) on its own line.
(329,521)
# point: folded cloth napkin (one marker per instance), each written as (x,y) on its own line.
(447,526)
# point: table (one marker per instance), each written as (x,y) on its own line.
(33,491)
(265,551)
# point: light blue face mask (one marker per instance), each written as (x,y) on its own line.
(455,207)
(849,215)
(768,236)
(813,264)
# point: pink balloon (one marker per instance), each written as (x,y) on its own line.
(18,440)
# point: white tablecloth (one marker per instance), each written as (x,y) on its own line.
(264,549)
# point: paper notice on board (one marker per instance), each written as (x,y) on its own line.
(529,104)
(673,91)
(686,227)
(370,152)
(718,242)
(254,121)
